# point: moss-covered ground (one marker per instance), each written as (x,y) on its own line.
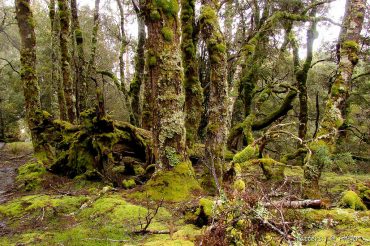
(44,209)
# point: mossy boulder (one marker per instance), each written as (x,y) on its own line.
(350,199)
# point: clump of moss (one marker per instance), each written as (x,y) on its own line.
(204,212)
(239,185)
(28,204)
(128,183)
(350,199)
(249,152)
(170,7)
(167,34)
(152,61)
(177,184)
(30,176)
(154,15)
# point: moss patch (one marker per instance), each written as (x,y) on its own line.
(174,185)
(30,176)
(350,199)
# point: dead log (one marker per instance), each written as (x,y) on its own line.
(317,204)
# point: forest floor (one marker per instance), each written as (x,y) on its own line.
(65,211)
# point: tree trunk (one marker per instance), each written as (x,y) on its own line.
(193,89)
(301,77)
(94,38)
(348,48)
(28,72)
(121,60)
(55,70)
(166,76)
(216,134)
(136,83)
(64,16)
(80,80)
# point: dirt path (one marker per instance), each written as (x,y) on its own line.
(8,165)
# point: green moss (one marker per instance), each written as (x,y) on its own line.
(350,44)
(118,169)
(30,176)
(350,199)
(29,204)
(128,183)
(249,152)
(154,15)
(175,185)
(239,185)
(173,157)
(152,61)
(170,7)
(167,34)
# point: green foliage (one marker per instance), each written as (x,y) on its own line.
(30,176)
(350,199)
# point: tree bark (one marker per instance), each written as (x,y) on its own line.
(348,48)
(216,134)
(28,72)
(193,88)
(166,81)
(64,16)
(55,69)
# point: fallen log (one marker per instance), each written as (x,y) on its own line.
(317,204)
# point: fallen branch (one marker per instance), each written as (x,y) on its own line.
(148,232)
(106,239)
(295,204)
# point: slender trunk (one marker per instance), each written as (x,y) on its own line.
(218,103)
(94,38)
(348,48)
(2,124)
(166,76)
(55,70)
(193,89)
(139,71)
(80,80)
(28,72)
(301,77)
(66,59)
(121,60)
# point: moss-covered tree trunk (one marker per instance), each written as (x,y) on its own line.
(166,76)
(80,64)
(216,134)
(26,25)
(193,88)
(94,38)
(136,83)
(55,69)
(301,77)
(122,52)
(64,16)
(348,48)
